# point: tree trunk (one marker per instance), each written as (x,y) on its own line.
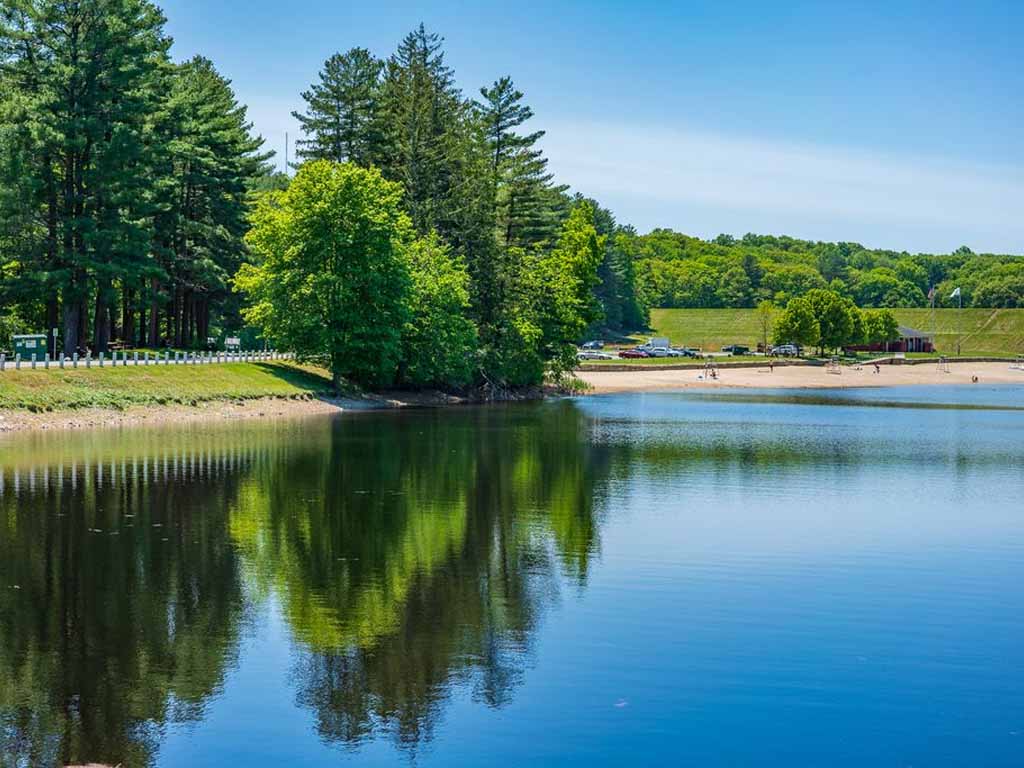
(127,316)
(71,316)
(203,319)
(140,331)
(186,319)
(101,317)
(176,316)
(83,323)
(154,313)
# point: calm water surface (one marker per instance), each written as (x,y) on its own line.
(735,578)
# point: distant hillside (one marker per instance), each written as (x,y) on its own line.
(985,331)
(676,270)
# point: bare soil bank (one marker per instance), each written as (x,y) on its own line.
(217,410)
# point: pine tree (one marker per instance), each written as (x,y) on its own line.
(210,161)
(88,70)
(340,120)
(433,144)
(421,114)
(528,208)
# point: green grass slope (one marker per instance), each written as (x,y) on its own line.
(985,331)
(54,389)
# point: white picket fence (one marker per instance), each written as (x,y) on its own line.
(146,358)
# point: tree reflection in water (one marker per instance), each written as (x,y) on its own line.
(415,554)
(120,602)
(411,553)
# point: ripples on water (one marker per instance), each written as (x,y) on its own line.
(733,578)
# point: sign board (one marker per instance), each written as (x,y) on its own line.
(232,341)
(31,346)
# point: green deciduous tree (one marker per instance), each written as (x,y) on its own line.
(568,275)
(439,341)
(797,324)
(735,288)
(880,326)
(551,305)
(332,277)
(835,316)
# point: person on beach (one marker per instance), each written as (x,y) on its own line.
(877,369)
(771,366)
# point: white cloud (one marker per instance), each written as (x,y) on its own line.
(704,184)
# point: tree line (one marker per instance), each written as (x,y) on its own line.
(493,271)
(676,270)
(828,320)
(124,177)
(128,183)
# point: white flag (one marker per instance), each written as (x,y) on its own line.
(955,293)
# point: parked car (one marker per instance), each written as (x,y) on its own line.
(593,345)
(633,354)
(786,350)
(737,349)
(589,354)
(657,351)
(687,352)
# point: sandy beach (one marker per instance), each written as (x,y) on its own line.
(800,377)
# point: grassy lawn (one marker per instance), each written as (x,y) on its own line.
(42,390)
(985,331)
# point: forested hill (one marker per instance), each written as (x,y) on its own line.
(676,270)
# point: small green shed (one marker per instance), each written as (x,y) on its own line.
(30,346)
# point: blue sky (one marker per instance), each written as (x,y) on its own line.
(896,124)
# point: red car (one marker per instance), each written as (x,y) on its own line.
(633,354)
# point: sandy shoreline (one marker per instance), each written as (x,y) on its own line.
(214,410)
(600,382)
(644,379)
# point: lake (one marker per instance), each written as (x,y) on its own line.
(719,578)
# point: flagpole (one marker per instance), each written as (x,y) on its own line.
(959,296)
(960,321)
(932,295)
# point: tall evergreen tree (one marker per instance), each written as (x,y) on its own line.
(528,208)
(209,162)
(616,291)
(421,112)
(433,145)
(340,121)
(85,76)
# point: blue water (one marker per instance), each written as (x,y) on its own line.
(728,578)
